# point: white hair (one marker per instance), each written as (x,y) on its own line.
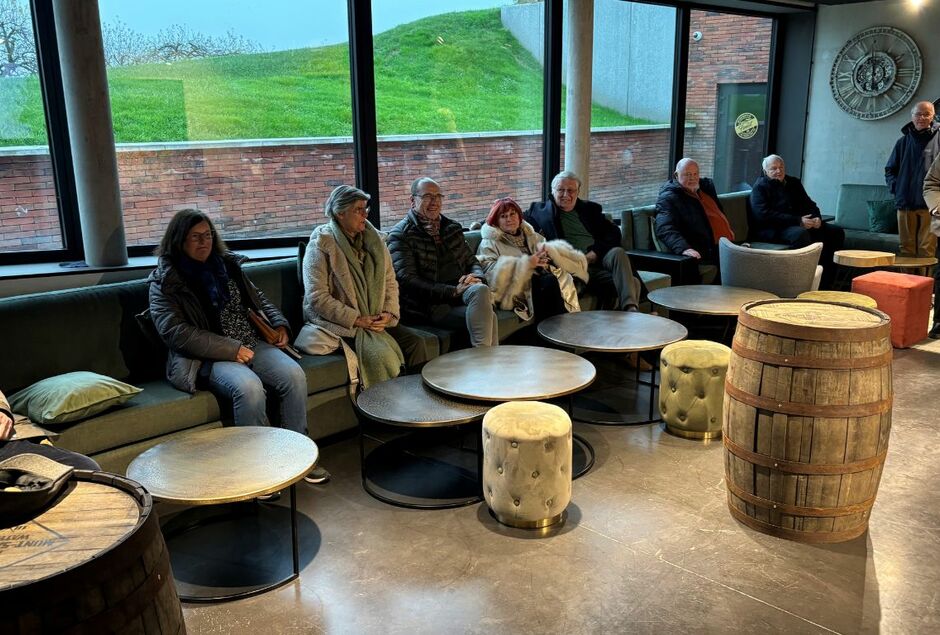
(565,174)
(770,158)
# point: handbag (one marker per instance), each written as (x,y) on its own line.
(315,340)
(268,333)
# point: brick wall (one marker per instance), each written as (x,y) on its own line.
(733,49)
(277,190)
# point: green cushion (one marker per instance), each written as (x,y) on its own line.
(70,397)
(882,217)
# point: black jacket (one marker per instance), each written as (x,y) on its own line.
(415,258)
(184,327)
(907,166)
(543,216)
(777,205)
(681,222)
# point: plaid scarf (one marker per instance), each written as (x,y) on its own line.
(431,225)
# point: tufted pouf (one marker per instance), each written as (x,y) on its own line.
(692,387)
(845,297)
(527,463)
(904,297)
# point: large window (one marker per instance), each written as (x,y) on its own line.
(459,99)
(241,109)
(726,105)
(634,47)
(29,213)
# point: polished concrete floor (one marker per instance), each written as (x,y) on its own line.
(648,547)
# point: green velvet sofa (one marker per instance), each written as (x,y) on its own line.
(95,329)
(852,216)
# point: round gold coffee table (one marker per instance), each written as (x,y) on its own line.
(515,373)
(508,373)
(218,467)
(919,264)
(420,470)
(615,332)
(707,299)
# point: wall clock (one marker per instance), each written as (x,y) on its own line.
(876,73)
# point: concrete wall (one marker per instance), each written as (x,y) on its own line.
(840,148)
(633,53)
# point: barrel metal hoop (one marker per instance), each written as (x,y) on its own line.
(803,469)
(794,534)
(807,332)
(796,361)
(828,411)
(797,510)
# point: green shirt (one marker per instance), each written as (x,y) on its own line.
(574,231)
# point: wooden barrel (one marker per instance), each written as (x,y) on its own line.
(95,562)
(807,414)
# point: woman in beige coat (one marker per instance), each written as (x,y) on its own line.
(526,273)
(350,293)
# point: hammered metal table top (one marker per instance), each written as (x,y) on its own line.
(507,373)
(913,262)
(407,401)
(224,465)
(707,299)
(612,331)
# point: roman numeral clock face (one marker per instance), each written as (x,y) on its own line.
(876,73)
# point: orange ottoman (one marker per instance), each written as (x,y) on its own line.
(904,297)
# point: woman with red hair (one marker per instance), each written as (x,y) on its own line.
(526,273)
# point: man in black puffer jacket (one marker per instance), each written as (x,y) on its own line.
(690,220)
(904,173)
(439,280)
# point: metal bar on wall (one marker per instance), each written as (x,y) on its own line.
(362,83)
(551,94)
(680,74)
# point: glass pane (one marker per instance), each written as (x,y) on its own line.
(726,106)
(239,108)
(29,213)
(458,99)
(634,48)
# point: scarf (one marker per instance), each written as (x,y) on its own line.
(380,358)
(431,225)
(718,221)
(211,276)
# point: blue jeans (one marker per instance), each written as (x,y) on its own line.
(244,385)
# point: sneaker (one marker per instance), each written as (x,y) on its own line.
(268,498)
(934,333)
(317,475)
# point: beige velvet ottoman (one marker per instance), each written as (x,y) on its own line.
(692,387)
(527,463)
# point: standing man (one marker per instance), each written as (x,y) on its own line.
(690,220)
(440,281)
(932,200)
(583,224)
(786,214)
(904,173)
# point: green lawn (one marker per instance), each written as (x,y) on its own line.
(456,72)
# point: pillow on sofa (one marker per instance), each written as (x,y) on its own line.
(882,217)
(70,397)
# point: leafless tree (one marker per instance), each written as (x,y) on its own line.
(17,47)
(179,42)
(124,46)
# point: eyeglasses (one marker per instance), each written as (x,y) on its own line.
(361,211)
(204,237)
(430,197)
(567,190)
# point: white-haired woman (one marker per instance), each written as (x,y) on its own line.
(350,291)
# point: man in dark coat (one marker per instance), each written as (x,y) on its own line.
(440,280)
(690,220)
(786,214)
(904,173)
(583,224)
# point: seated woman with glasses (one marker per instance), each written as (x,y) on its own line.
(350,293)
(526,273)
(199,303)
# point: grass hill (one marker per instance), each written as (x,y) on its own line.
(455,72)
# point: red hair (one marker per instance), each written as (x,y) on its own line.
(501,205)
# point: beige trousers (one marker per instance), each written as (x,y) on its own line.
(914,231)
